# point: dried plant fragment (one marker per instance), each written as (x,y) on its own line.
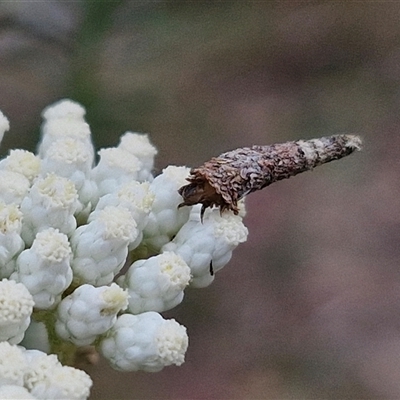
(226,179)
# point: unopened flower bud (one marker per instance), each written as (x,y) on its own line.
(16,306)
(144,342)
(89,312)
(156,284)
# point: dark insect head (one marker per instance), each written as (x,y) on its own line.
(192,194)
(200,191)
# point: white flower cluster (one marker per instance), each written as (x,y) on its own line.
(32,374)
(92,254)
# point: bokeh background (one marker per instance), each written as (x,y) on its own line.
(309,306)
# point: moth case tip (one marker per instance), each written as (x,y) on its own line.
(354,142)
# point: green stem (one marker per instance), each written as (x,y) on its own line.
(64,350)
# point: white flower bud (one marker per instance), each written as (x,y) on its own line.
(140,146)
(135,197)
(51,202)
(13,187)
(45,268)
(144,342)
(66,157)
(207,246)
(73,159)
(166,218)
(64,109)
(116,167)
(100,248)
(4,125)
(13,392)
(39,366)
(64,383)
(156,284)
(11,243)
(89,312)
(64,119)
(48,379)
(62,128)
(16,306)
(12,365)
(23,162)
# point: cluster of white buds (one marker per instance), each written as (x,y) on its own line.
(92,254)
(33,374)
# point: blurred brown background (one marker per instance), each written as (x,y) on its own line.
(309,307)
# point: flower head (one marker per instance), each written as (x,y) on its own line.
(156,284)
(15,392)
(16,306)
(56,191)
(64,119)
(23,162)
(10,218)
(45,268)
(116,167)
(65,155)
(145,342)
(12,365)
(11,243)
(51,203)
(46,378)
(64,109)
(63,382)
(140,146)
(101,246)
(13,186)
(165,218)
(89,312)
